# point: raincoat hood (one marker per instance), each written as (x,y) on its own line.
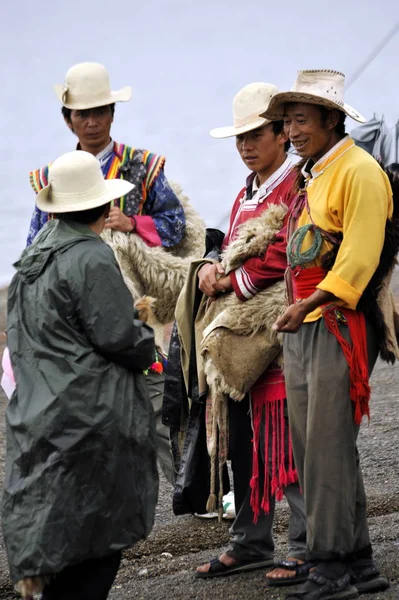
(55,237)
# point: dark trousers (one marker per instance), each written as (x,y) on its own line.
(240,448)
(324,437)
(156,383)
(249,540)
(89,580)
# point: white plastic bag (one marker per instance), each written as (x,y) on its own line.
(7,381)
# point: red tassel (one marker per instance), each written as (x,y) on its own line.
(268,395)
(254,483)
(355,353)
(292,476)
(265,504)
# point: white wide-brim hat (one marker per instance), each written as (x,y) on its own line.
(76,183)
(248,103)
(87,86)
(323,87)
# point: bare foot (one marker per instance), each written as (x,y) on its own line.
(279,572)
(225,559)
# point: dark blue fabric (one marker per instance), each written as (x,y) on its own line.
(164,207)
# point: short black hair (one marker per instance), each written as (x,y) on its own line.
(340,126)
(84,217)
(66,112)
(278,127)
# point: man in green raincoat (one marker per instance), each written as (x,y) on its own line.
(81,478)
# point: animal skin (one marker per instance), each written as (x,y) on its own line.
(159,272)
(252,320)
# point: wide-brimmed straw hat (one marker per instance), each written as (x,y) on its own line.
(322,87)
(248,103)
(87,86)
(76,182)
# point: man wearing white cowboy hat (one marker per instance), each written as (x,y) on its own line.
(81,479)
(262,145)
(339,257)
(151,209)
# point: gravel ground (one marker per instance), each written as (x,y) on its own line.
(162,567)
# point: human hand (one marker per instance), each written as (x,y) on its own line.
(226,283)
(118,221)
(209,277)
(292,318)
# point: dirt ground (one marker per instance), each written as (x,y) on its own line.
(162,567)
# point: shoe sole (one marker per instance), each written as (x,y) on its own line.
(285,581)
(349,593)
(378,584)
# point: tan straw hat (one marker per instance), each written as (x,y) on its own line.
(87,86)
(248,103)
(322,87)
(76,183)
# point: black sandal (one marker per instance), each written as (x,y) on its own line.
(319,587)
(218,569)
(368,580)
(301,572)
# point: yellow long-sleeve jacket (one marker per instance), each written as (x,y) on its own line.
(348,193)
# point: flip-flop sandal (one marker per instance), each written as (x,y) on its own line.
(218,569)
(319,587)
(369,580)
(301,572)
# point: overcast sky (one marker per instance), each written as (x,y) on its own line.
(185,61)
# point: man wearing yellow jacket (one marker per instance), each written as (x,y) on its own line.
(336,239)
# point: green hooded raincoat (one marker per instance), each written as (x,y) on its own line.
(81,476)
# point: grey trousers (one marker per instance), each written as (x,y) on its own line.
(155,384)
(324,438)
(255,541)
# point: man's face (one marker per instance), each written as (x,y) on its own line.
(92,127)
(310,134)
(260,148)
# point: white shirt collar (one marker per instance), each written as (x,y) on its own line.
(105,154)
(260,193)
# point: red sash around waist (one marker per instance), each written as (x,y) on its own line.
(304,281)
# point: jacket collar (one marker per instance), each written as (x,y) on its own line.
(312,171)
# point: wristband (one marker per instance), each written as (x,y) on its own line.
(133,222)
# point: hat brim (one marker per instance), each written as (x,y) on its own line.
(226,132)
(275,110)
(122,95)
(114,188)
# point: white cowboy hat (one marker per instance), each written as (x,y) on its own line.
(76,182)
(87,86)
(322,87)
(248,103)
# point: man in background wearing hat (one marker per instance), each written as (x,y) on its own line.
(81,479)
(262,145)
(151,209)
(336,238)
